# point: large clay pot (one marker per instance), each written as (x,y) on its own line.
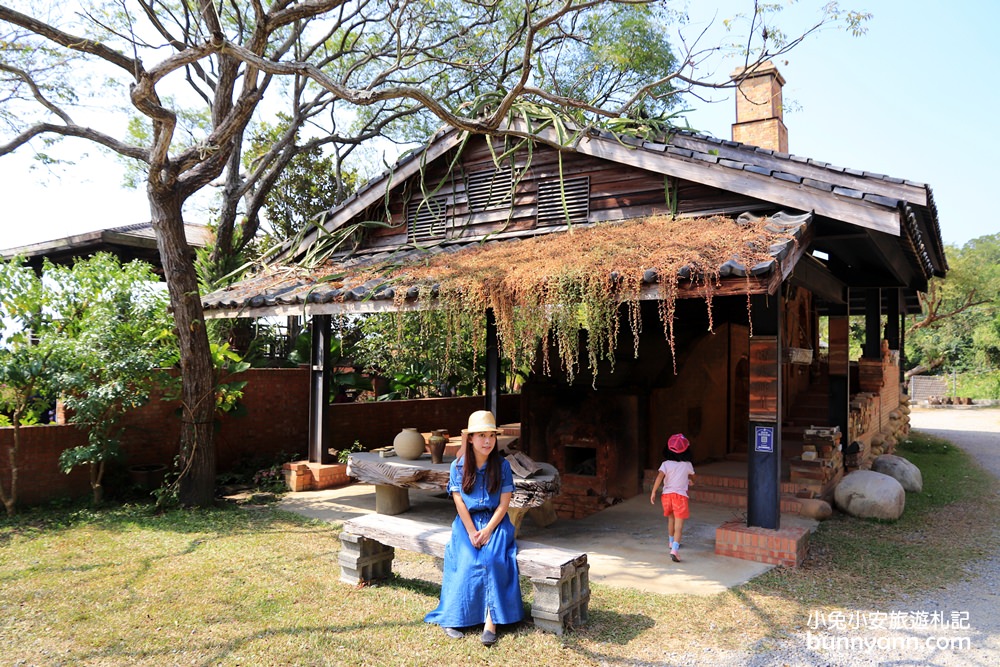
(409,444)
(436,442)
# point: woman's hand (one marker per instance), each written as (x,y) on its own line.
(481,537)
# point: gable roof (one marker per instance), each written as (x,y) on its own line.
(869,224)
(127,242)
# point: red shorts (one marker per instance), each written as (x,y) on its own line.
(675,504)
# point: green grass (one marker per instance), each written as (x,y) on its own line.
(239,586)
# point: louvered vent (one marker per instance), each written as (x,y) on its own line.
(489,189)
(425,220)
(550,201)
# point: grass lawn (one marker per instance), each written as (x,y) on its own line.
(240,586)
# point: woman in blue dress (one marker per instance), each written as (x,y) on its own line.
(480,583)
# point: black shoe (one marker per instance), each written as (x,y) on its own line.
(488,638)
(454,633)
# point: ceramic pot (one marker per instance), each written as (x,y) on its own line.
(409,444)
(437,441)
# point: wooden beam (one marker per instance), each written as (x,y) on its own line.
(814,276)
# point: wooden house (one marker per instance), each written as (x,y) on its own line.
(742,377)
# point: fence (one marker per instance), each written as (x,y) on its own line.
(922,387)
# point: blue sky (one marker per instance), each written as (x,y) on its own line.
(915,98)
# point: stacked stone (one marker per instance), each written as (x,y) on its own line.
(821,464)
(862,415)
(895,431)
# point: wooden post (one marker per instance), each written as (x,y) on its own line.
(319,391)
(494,377)
(839,364)
(873,324)
(764,438)
(892,324)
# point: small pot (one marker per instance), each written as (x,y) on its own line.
(437,441)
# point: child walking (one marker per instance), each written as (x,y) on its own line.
(675,473)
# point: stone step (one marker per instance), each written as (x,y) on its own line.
(732,483)
(734,497)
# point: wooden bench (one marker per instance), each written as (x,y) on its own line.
(559,577)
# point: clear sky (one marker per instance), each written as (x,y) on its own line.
(915,98)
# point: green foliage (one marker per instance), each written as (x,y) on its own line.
(619,49)
(98,331)
(959,329)
(344,454)
(272,478)
(418,357)
(306,188)
(978,384)
(121,337)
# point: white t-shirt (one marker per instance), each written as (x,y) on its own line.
(675,476)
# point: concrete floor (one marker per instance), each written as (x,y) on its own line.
(626,543)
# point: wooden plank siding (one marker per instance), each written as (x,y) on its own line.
(616,192)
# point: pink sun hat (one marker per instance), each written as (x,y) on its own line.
(678,444)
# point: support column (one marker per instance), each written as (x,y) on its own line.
(319,391)
(494,377)
(839,360)
(764,455)
(873,324)
(892,324)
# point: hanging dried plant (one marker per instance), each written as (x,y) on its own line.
(559,283)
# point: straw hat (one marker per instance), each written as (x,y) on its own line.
(482,421)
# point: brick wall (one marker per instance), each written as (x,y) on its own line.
(376,424)
(276,422)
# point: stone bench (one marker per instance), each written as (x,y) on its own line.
(559,577)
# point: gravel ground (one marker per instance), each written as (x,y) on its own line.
(958,626)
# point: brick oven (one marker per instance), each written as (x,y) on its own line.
(591,437)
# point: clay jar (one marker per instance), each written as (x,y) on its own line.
(437,441)
(409,444)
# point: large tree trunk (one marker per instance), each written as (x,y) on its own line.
(197,446)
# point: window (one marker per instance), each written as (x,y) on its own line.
(550,201)
(426,221)
(490,189)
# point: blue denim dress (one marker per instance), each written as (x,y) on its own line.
(479,579)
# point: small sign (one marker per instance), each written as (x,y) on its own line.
(763,440)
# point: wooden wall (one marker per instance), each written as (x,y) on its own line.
(616,192)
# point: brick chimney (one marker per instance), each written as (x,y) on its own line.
(759,115)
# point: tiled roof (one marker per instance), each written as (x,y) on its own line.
(336,287)
(881,204)
(805,183)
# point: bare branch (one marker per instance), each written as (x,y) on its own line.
(83,45)
(36,92)
(74,131)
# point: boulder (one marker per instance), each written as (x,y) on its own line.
(870,495)
(901,470)
(815,508)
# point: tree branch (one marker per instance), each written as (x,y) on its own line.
(90,134)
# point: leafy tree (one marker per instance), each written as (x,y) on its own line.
(196,73)
(957,327)
(29,362)
(122,337)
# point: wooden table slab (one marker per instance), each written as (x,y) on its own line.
(392,476)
